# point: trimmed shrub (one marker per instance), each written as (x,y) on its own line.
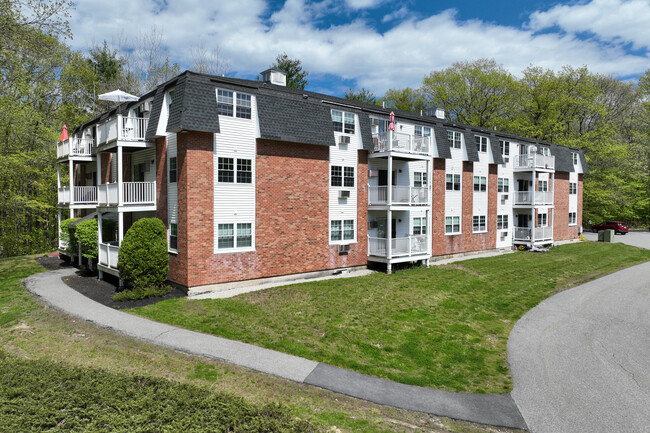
(86,234)
(144,261)
(67,236)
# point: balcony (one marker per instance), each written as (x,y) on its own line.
(534,161)
(400,247)
(122,128)
(80,195)
(400,195)
(533,198)
(401,142)
(133,193)
(541,234)
(79,147)
(108,254)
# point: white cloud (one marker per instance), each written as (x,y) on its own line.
(363,4)
(626,21)
(352,50)
(398,14)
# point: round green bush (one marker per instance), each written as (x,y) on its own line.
(86,234)
(143,259)
(67,236)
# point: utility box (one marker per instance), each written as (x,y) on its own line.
(606,236)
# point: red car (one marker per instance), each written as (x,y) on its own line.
(617,226)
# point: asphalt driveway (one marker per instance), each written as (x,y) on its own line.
(637,239)
(580,359)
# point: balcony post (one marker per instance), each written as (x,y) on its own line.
(119,175)
(99,172)
(58,176)
(389,198)
(120,225)
(532,226)
(71,180)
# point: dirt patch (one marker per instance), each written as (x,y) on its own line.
(53,263)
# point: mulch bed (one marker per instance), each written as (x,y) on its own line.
(100,291)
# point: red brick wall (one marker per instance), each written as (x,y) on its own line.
(292,215)
(561,206)
(580,191)
(126,167)
(105,165)
(438,213)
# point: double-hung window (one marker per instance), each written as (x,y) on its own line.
(480,183)
(502,222)
(234,104)
(343,121)
(478,223)
(348,176)
(172,170)
(573,188)
(574,156)
(481,143)
(503,184)
(173,236)
(342,176)
(226,170)
(422,131)
(454,139)
(505,147)
(419,226)
(452,225)
(419,179)
(228,238)
(341,230)
(573,218)
(542,220)
(542,185)
(452,182)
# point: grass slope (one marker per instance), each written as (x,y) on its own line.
(60,373)
(445,327)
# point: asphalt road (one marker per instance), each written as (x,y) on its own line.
(637,239)
(580,360)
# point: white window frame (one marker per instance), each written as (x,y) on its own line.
(419,226)
(348,123)
(573,188)
(502,222)
(542,220)
(344,176)
(453,221)
(235,170)
(542,185)
(422,131)
(455,139)
(482,184)
(342,225)
(504,145)
(420,177)
(455,181)
(172,170)
(573,218)
(237,105)
(170,236)
(236,227)
(575,158)
(481,222)
(481,143)
(503,184)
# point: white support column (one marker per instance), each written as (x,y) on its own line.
(389,214)
(60,218)
(120,224)
(99,168)
(99,242)
(58,175)
(119,175)
(71,181)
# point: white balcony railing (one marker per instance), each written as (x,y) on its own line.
(400,247)
(132,193)
(80,195)
(401,142)
(526,234)
(401,195)
(75,147)
(108,255)
(535,160)
(122,128)
(539,197)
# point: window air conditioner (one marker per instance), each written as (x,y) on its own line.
(344,249)
(373,173)
(373,224)
(344,194)
(504,197)
(506,159)
(145,107)
(344,139)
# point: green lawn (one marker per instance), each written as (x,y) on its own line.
(445,327)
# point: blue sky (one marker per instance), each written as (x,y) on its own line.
(380,44)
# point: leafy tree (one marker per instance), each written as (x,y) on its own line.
(362,95)
(296,76)
(479,93)
(406,99)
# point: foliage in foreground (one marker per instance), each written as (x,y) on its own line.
(43,396)
(148,292)
(86,234)
(144,258)
(445,327)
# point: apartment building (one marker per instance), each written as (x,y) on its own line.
(256,180)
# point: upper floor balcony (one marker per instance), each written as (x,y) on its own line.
(81,195)
(530,198)
(393,141)
(400,196)
(534,161)
(131,130)
(130,193)
(75,147)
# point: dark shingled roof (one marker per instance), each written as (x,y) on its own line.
(563,158)
(470,145)
(294,119)
(496,149)
(366,130)
(194,106)
(154,116)
(442,141)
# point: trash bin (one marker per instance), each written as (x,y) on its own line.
(606,236)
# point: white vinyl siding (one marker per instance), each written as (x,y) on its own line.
(234,202)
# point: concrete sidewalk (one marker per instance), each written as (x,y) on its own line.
(495,409)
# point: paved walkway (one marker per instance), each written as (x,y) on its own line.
(580,359)
(492,409)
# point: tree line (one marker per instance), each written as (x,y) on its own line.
(44,84)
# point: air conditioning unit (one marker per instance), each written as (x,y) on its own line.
(373,224)
(373,173)
(344,249)
(145,107)
(504,197)
(344,139)
(344,193)
(506,159)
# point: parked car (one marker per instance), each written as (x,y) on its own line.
(617,226)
